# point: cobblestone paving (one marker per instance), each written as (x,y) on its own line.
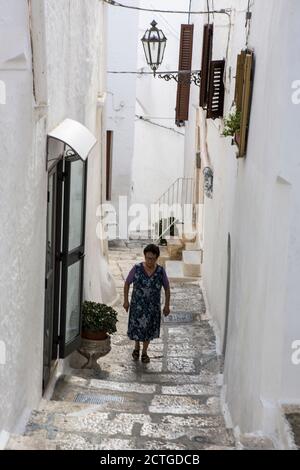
(171,403)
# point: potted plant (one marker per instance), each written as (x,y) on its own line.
(98,320)
(232,124)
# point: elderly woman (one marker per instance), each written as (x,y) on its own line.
(145,308)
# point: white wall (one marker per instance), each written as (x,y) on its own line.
(146,159)
(256,200)
(23,222)
(70,67)
(122,32)
(75,78)
(158,152)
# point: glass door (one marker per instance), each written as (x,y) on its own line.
(72,256)
(50,275)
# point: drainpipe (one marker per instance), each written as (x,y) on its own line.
(207,167)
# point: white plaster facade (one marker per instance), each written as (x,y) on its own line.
(63,79)
(256,201)
(122,32)
(147,159)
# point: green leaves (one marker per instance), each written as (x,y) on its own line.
(97,317)
(232,124)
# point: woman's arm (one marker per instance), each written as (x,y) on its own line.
(128,281)
(166,310)
(126,300)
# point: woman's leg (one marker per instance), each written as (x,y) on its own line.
(145,357)
(136,351)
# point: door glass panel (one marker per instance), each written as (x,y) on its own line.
(73,302)
(76,204)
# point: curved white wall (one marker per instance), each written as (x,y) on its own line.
(73,31)
(23,223)
(256,200)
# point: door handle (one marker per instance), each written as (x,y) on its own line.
(81,255)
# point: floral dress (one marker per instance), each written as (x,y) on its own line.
(145,306)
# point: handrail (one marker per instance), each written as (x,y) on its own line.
(181,192)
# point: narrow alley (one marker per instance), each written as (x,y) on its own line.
(130,123)
(171,403)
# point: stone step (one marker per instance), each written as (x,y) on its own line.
(173,433)
(162,260)
(67,425)
(38,441)
(105,387)
(192,257)
(192,270)
(164,256)
(192,263)
(193,246)
(175,272)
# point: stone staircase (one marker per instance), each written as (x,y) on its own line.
(172,403)
(182,260)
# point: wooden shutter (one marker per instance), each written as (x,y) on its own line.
(185,63)
(243,95)
(216,91)
(207,49)
(239,80)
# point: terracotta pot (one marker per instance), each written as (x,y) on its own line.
(94,335)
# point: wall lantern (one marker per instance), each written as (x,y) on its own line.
(154,44)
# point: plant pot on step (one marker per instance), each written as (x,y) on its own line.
(94,335)
(97,321)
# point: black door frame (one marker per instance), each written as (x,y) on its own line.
(68,259)
(63,259)
(50,314)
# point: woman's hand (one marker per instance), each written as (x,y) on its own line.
(126,305)
(166,310)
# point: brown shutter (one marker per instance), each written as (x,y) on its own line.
(185,63)
(239,80)
(207,49)
(216,92)
(243,95)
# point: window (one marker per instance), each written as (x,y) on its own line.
(212,90)
(185,63)
(216,90)
(207,49)
(243,96)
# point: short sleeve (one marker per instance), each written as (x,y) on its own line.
(130,277)
(166,282)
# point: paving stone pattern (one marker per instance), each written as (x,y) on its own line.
(172,403)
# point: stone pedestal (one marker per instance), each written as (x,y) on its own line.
(90,351)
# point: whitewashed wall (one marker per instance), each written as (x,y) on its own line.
(256,200)
(66,57)
(146,159)
(158,153)
(23,222)
(122,32)
(76,81)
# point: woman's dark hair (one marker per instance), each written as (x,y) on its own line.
(152,249)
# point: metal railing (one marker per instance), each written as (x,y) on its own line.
(170,208)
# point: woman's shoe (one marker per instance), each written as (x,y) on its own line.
(145,358)
(136,354)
